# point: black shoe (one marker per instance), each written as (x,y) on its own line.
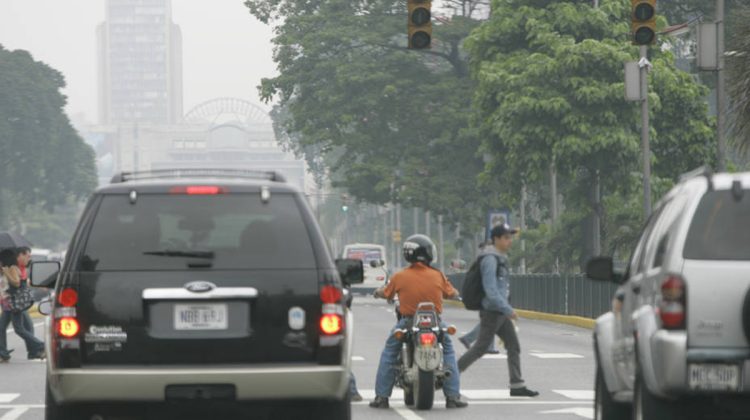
(4,359)
(379,402)
(522,392)
(356,397)
(41,355)
(455,402)
(465,342)
(493,351)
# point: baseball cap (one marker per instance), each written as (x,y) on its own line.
(501,230)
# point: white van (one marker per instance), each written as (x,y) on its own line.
(374,276)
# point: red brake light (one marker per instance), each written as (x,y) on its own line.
(672,305)
(331,324)
(427,339)
(198,190)
(330,294)
(68,327)
(68,298)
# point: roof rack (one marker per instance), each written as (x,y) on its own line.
(197,172)
(704,171)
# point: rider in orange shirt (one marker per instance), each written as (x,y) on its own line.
(417,283)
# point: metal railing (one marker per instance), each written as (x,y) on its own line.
(564,294)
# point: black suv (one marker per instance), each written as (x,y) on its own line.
(187,290)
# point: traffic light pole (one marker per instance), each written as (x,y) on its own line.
(645,132)
(720,92)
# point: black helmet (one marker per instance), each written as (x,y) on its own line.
(419,248)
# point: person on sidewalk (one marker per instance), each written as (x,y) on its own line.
(4,307)
(496,315)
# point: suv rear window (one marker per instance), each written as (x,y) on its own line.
(719,230)
(178,232)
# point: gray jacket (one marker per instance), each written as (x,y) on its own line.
(496,282)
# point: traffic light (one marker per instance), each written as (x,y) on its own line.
(420,24)
(643,21)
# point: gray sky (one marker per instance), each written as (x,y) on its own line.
(225,50)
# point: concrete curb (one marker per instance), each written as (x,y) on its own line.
(577,321)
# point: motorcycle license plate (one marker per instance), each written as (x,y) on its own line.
(428,358)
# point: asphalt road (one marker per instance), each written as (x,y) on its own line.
(556,359)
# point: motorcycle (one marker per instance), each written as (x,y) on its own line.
(420,369)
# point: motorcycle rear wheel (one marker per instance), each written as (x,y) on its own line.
(424,389)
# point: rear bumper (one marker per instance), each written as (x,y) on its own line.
(148,384)
(671,357)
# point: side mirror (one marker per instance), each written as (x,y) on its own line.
(44,273)
(602,269)
(45,307)
(351,271)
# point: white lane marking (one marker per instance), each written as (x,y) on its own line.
(407,414)
(518,401)
(14,406)
(14,414)
(490,395)
(575,394)
(6,398)
(495,356)
(557,355)
(357,358)
(585,412)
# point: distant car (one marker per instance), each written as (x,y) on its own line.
(197,290)
(40,254)
(676,344)
(374,276)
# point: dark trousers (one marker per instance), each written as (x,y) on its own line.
(491,324)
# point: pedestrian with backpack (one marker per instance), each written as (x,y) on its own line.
(486,288)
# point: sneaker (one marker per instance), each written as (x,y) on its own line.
(522,392)
(465,342)
(379,402)
(41,355)
(4,359)
(455,402)
(356,397)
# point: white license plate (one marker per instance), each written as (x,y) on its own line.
(714,377)
(201,317)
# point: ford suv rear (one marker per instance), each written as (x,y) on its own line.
(202,288)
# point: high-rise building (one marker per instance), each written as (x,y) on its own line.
(140,63)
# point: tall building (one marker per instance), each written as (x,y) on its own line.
(139,63)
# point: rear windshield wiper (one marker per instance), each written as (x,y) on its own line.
(174,253)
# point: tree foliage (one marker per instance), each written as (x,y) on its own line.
(738,78)
(550,90)
(390,123)
(43,161)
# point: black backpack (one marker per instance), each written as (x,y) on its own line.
(472,291)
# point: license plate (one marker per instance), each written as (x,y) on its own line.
(200,317)
(714,377)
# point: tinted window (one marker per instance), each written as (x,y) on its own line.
(176,232)
(720,228)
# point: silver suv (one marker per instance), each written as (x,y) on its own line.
(677,341)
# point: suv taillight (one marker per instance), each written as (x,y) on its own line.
(332,314)
(65,317)
(673,307)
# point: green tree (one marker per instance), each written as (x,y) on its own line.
(550,90)
(389,124)
(738,78)
(43,161)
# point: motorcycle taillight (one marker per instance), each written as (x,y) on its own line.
(428,339)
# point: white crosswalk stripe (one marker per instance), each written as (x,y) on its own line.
(6,398)
(14,414)
(572,396)
(557,355)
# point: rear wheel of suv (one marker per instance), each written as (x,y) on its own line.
(605,408)
(55,411)
(647,406)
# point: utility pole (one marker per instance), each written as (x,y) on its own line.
(720,88)
(427,223)
(397,245)
(415,211)
(645,143)
(523,227)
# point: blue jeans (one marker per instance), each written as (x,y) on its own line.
(352,385)
(21,321)
(472,336)
(388,367)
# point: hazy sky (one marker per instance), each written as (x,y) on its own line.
(225,50)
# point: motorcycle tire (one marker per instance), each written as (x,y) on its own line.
(424,389)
